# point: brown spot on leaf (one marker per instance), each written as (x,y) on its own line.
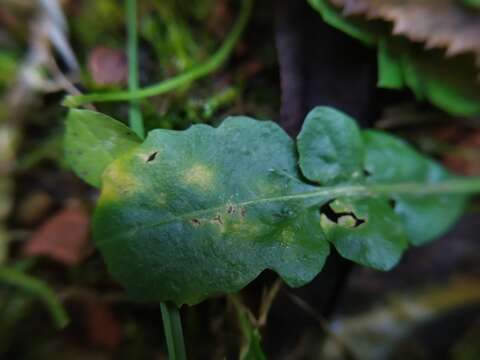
(218,219)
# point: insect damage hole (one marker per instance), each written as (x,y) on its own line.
(392,203)
(218,219)
(195,222)
(152,156)
(337,217)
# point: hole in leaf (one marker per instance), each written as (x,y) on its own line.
(392,203)
(152,156)
(195,222)
(366,172)
(335,217)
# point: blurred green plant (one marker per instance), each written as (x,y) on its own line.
(449,83)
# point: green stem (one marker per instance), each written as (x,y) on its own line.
(463,186)
(134,115)
(172,326)
(13,277)
(171,317)
(469,185)
(214,63)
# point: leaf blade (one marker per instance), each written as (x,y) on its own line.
(92,141)
(426,217)
(207,169)
(330,147)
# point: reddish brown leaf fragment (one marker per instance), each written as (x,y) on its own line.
(63,238)
(108,66)
(442,24)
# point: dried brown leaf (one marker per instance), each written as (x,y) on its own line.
(63,238)
(442,24)
(108,66)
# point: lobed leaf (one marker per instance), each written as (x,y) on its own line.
(330,147)
(331,151)
(191,214)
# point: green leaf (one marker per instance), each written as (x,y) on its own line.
(389,159)
(355,28)
(330,147)
(331,151)
(448,83)
(37,288)
(475,4)
(367,231)
(92,141)
(191,214)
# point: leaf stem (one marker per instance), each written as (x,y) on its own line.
(462,186)
(172,325)
(468,185)
(195,73)
(37,288)
(134,115)
(171,317)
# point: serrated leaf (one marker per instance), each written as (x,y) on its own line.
(92,141)
(189,213)
(389,159)
(330,147)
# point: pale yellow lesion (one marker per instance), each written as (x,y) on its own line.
(347,221)
(341,207)
(162,198)
(268,188)
(245,228)
(326,223)
(199,175)
(118,181)
(287,236)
